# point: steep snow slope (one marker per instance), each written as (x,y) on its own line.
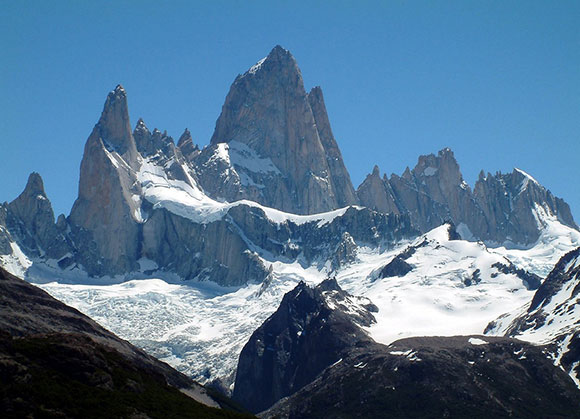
(200,328)
(554,241)
(189,201)
(551,317)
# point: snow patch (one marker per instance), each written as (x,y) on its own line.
(430,171)
(17,263)
(464,232)
(477,341)
(244,157)
(256,66)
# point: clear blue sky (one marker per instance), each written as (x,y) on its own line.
(497,81)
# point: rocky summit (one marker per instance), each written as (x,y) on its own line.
(281,149)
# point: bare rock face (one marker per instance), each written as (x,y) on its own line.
(5,236)
(188,149)
(432,193)
(279,143)
(105,218)
(341,183)
(377,194)
(511,203)
(345,252)
(30,219)
(158,148)
(214,251)
(501,208)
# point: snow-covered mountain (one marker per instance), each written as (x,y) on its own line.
(185,252)
(551,317)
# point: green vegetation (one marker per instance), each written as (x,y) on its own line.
(72,376)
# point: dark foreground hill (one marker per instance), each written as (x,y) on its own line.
(56,362)
(438,377)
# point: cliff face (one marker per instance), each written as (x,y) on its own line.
(106,215)
(137,192)
(514,205)
(275,143)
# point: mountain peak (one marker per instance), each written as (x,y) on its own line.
(114,126)
(119,90)
(141,127)
(278,62)
(446,152)
(316,91)
(268,110)
(35,185)
(185,138)
(279,53)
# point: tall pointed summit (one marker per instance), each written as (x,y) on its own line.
(30,219)
(105,217)
(268,116)
(114,125)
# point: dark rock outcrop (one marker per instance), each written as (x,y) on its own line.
(437,377)
(530,280)
(396,267)
(312,329)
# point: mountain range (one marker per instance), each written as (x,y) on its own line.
(191,252)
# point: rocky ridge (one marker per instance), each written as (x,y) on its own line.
(146,204)
(501,208)
(130,214)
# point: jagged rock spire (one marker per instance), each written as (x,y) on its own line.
(186,146)
(114,126)
(105,217)
(342,185)
(502,207)
(31,220)
(32,202)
